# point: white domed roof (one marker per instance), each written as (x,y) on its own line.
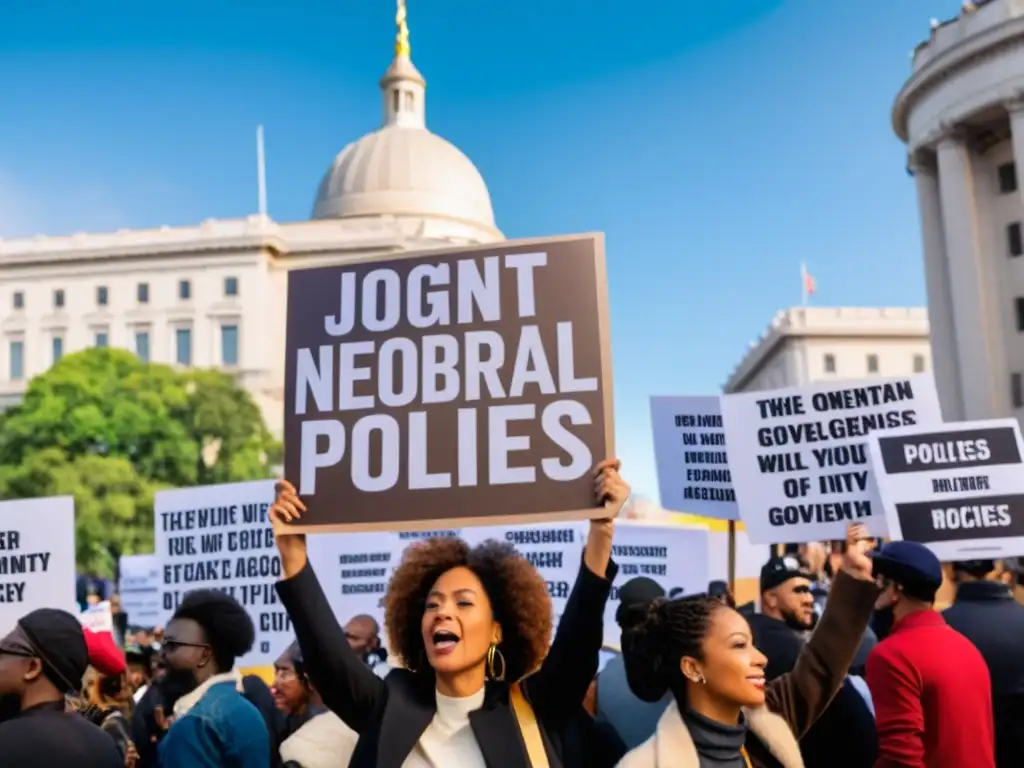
(404,171)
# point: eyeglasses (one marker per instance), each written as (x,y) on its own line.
(285,675)
(173,645)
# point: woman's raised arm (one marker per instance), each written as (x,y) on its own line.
(557,689)
(802,695)
(348,687)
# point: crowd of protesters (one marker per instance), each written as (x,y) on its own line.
(846,663)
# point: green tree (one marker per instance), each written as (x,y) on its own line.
(110,430)
(113,503)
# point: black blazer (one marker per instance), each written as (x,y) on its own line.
(390,714)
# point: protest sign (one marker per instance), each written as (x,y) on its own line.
(139,588)
(37,557)
(799,456)
(442,389)
(958,487)
(98,618)
(690,455)
(554,549)
(355,569)
(674,556)
(219,537)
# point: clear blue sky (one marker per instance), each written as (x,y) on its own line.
(718,144)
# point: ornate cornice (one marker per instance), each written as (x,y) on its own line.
(966,54)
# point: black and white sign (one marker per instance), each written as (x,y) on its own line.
(219,537)
(959,488)
(799,456)
(690,453)
(37,557)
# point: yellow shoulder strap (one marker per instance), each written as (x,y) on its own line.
(529,728)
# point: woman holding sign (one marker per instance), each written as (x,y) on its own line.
(723,713)
(473,627)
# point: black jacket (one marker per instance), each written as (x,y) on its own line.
(47,737)
(390,715)
(986,614)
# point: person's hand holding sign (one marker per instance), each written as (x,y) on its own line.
(611,491)
(856,560)
(288,508)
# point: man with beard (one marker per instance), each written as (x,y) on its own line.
(41,661)
(212,724)
(363,634)
(787,611)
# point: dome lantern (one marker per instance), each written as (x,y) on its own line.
(402,169)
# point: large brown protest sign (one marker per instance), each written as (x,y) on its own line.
(466,386)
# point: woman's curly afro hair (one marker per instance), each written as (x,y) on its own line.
(517,592)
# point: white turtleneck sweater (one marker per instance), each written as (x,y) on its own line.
(449,740)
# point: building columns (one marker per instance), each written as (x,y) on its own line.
(936,271)
(977,331)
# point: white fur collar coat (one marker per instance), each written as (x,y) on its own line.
(672,747)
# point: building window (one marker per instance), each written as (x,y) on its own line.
(396,103)
(58,298)
(142,293)
(229,345)
(230,286)
(142,345)
(410,101)
(102,339)
(1019,302)
(18,300)
(57,348)
(1007,178)
(1017,390)
(872,363)
(918,363)
(183,346)
(829,363)
(17,361)
(184,290)
(101,296)
(1014,241)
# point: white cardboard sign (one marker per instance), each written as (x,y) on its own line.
(799,456)
(690,454)
(958,487)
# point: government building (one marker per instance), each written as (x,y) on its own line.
(961,115)
(214,295)
(808,345)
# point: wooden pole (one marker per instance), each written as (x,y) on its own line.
(732,556)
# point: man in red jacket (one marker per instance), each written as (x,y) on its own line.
(930,686)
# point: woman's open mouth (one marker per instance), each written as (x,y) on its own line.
(757,681)
(444,642)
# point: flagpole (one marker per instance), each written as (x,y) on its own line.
(261,172)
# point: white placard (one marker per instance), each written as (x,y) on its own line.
(958,488)
(690,454)
(554,549)
(674,556)
(37,557)
(799,456)
(98,618)
(219,537)
(139,588)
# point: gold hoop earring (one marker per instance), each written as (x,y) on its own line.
(495,659)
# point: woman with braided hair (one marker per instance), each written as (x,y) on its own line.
(724,714)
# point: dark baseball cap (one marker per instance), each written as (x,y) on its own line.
(635,597)
(779,570)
